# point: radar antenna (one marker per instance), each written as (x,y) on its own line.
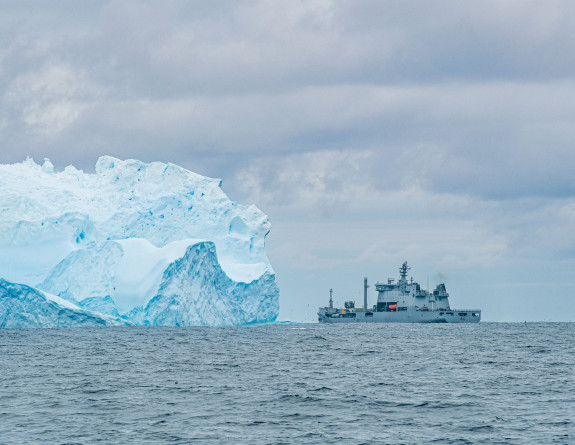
(403,270)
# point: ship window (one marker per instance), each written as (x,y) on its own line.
(369,314)
(463,314)
(475,314)
(403,308)
(441,313)
(449,313)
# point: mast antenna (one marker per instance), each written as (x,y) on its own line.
(403,270)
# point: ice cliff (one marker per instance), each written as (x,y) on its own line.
(135,243)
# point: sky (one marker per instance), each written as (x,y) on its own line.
(371,132)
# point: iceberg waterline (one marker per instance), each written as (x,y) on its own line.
(141,243)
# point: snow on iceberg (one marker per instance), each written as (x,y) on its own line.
(137,240)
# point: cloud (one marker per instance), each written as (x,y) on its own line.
(396,216)
(50,100)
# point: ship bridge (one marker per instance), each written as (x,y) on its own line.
(403,294)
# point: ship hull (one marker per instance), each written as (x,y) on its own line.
(409,316)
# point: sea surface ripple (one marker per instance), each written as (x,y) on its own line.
(490,383)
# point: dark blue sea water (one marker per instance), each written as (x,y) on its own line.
(290,384)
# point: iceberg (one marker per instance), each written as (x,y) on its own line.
(135,243)
(23,306)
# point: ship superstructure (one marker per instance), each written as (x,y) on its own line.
(400,302)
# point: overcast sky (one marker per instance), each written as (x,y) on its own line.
(371,132)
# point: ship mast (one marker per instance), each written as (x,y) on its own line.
(403,271)
(330,299)
(365,286)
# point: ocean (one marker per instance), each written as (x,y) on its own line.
(486,383)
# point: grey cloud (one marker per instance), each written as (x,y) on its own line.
(497,141)
(170,49)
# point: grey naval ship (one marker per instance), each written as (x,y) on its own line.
(401,302)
